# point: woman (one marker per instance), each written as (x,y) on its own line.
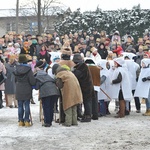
(48,92)
(10,86)
(102,51)
(44,55)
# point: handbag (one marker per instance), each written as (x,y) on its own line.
(2,77)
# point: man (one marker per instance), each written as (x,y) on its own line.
(83,75)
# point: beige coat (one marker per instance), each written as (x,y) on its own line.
(2,68)
(71,91)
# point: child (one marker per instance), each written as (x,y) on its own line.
(121,87)
(48,92)
(104,86)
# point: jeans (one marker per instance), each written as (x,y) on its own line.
(102,107)
(48,108)
(24,110)
(148,101)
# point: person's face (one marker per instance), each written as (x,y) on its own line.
(115,65)
(43,48)
(101,46)
(91,37)
(140,50)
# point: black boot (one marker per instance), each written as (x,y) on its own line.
(1,103)
(86,119)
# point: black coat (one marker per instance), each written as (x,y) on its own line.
(24,82)
(83,75)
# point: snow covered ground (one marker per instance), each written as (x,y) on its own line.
(108,133)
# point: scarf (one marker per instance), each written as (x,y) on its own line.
(43,52)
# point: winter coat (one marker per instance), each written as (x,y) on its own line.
(118,50)
(85,80)
(69,63)
(24,82)
(2,68)
(71,91)
(103,52)
(46,56)
(10,85)
(45,84)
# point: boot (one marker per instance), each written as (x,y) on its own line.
(21,123)
(86,119)
(32,101)
(147,113)
(27,124)
(121,113)
(1,103)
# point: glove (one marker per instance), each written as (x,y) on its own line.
(144,79)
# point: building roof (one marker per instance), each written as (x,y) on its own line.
(53,10)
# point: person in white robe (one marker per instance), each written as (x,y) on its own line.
(143,85)
(134,70)
(104,87)
(121,86)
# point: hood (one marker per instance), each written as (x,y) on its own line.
(146,61)
(22,70)
(120,61)
(102,63)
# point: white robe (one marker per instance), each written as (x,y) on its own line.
(124,84)
(132,68)
(105,86)
(142,88)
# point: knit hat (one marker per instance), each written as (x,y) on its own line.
(23,58)
(77,58)
(40,64)
(54,68)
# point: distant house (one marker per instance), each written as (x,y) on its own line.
(28,19)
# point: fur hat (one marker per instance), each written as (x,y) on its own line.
(77,58)
(23,58)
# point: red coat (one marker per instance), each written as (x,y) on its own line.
(119,50)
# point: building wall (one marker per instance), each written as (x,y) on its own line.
(27,24)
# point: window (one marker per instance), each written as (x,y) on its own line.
(11,27)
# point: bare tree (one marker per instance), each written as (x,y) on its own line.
(17,15)
(48,8)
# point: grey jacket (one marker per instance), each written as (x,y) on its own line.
(24,82)
(10,85)
(46,85)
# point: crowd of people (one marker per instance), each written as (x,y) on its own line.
(84,72)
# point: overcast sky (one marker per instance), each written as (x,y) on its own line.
(90,4)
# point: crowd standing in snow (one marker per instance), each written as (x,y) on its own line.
(81,71)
